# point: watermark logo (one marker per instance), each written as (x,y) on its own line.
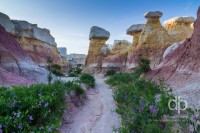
(177,104)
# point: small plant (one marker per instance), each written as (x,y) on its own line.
(144,64)
(110,72)
(77,70)
(72,74)
(56,69)
(87,79)
(78,90)
(49,63)
(191,122)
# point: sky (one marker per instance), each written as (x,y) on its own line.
(69,21)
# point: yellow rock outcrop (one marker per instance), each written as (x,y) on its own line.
(180,28)
(153,40)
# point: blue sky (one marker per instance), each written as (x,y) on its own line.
(70,20)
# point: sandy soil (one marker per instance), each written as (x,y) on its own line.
(97,115)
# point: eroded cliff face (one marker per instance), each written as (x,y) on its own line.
(180,28)
(38,42)
(153,41)
(15,66)
(98,38)
(182,67)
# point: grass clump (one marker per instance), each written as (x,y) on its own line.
(87,79)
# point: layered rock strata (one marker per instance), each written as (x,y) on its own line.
(32,39)
(180,28)
(15,64)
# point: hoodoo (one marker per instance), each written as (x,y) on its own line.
(98,37)
(180,28)
(135,31)
(153,41)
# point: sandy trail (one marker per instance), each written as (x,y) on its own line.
(97,115)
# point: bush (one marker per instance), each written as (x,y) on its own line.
(78,90)
(110,72)
(72,75)
(87,79)
(141,103)
(144,64)
(138,107)
(120,78)
(77,70)
(56,66)
(38,108)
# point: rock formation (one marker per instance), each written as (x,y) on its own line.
(15,67)
(118,55)
(153,41)
(98,37)
(105,50)
(32,39)
(135,31)
(63,54)
(182,67)
(180,28)
(120,46)
(76,59)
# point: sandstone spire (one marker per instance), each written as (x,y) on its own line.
(98,37)
(154,35)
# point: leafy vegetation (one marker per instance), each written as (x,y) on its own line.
(37,108)
(56,69)
(72,74)
(110,72)
(144,64)
(87,79)
(141,103)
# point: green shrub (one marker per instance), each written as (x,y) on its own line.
(120,78)
(78,70)
(58,73)
(38,108)
(56,66)
(87,79)
(72,75)
(144,64)
(138,107)
(78,90)
(110,72)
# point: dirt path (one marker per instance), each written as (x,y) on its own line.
(97,115)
